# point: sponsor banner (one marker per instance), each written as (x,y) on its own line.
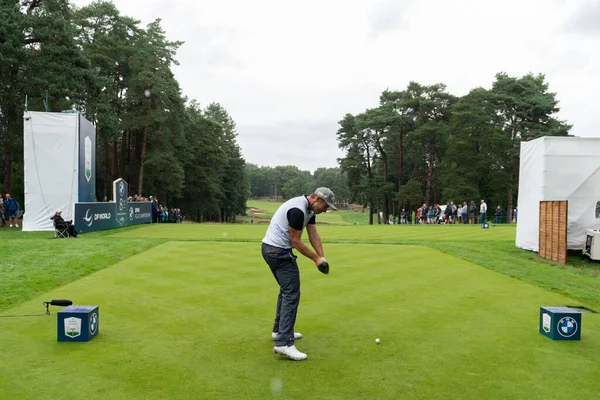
(72,327)
(90,217)
(87,161)
(120,190)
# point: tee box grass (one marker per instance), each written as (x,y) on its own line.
(187,311)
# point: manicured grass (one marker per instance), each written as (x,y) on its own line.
(492,248)
(191,320)
(32,263)
(261,211)
(393,234)
(186,310)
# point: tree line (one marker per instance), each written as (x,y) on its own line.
(419,145)
(425,145)
(57,57)
(284,182)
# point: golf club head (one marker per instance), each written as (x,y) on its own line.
(324,267)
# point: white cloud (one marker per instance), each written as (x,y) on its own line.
(389,15)
(585,18)
(287,72)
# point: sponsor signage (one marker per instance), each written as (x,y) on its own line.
(90,217)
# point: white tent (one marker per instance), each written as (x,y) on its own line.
(559,168)
(59,166)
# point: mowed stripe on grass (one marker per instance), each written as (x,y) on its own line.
(424,234)
(192,320)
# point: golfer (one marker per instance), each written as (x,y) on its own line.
(283,235)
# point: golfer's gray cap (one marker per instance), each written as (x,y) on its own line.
(327,195)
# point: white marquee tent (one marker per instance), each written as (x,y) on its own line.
(559,168)
(59,160)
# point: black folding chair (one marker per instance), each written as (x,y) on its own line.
(61,230)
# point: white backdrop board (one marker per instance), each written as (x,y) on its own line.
(59,166)
(559,168)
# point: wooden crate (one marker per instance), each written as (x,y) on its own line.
(553,230)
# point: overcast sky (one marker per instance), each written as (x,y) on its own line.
(287,72)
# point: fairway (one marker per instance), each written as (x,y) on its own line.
(190,319)
(395,234)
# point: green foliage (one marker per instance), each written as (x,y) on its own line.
(435,147)
(411,194)
(334,179)
(39,62)
(119,74)
(235,187)
(289,181)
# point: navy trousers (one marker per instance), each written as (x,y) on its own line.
(284,268)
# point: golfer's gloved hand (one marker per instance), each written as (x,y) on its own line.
(323,265)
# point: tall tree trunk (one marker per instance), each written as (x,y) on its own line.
(132,142)
(386,203)
(401,205)
(400,170)
(124,164)
(510,206)
(105,167)
(514,181)
(13,115)
(435,187)
(114,170)
(142,156)
(7,170)
(429,179)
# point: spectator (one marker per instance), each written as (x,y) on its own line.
(423,214)
(453,213)
(472,212)
(155,210)
(498,215)
(482,212)
(430,215)
(11,207)
(437,213)
(58,221)
(403,216)
(447,213)
(2,212)
(464,213)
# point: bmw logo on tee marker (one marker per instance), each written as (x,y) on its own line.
(567,327)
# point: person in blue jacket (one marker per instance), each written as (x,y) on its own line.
(11,207)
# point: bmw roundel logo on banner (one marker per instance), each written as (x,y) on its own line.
(567,327)
(93,324)
(121,188)
(131,213)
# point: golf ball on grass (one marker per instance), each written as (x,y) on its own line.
(377,340)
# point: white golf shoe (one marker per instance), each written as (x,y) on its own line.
(296,335)
(290,352)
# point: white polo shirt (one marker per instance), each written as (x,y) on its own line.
(294,213)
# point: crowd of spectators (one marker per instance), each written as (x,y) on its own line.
(451,213)
(160,212)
